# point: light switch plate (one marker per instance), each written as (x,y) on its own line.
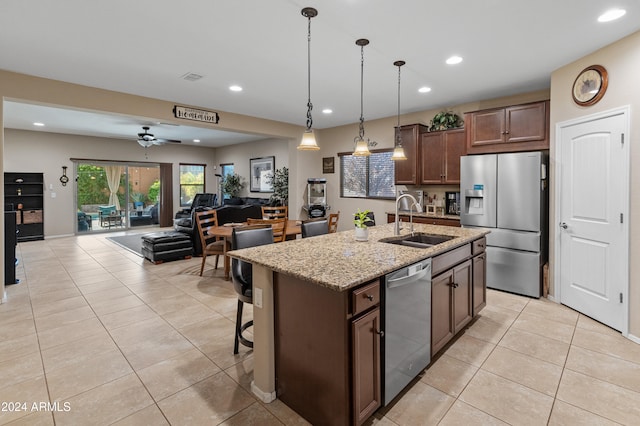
(257,297)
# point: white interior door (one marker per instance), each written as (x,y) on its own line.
(592,193)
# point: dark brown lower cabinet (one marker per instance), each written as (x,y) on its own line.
(327,350)
(366,365)
(451,304)
(479,282)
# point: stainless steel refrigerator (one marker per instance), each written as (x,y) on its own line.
(508,194)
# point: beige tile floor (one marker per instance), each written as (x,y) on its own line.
(105,337)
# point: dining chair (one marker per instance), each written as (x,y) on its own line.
(313,227)
(242,274)
(275,212)
(278,225)
(333,222)
(205,220)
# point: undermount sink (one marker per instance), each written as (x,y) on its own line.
(418,239)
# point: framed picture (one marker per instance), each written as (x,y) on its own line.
(261,171)
(328,165)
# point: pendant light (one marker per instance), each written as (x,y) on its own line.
(362,146)
(398,150)
(308,142)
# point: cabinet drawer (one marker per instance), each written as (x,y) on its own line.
(447,260)
(365,297)
(478,246)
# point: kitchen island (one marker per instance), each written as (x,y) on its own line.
(317,315)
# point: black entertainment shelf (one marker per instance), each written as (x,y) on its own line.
(24,194)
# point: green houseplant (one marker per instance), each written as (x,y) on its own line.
(360,220)
(280,182)
(232,184)
(445,120)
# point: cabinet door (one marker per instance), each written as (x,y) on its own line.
(479,283)
(462,296)
(406,172)
(441,303)
(526,123)
(432,157)
(366,365)
(486,127)
(454,143)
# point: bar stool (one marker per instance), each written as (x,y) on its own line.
(241,273)
(313,227)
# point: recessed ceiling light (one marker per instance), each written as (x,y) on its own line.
(38,124)
(454,60)
(196,140)
(611,15)
(327,111)
(235,88)
(424,89)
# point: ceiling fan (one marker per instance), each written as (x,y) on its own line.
(146,139)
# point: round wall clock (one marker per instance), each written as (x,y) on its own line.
(590,85)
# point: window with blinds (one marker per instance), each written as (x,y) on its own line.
(367,177)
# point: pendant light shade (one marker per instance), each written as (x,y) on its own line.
(398,151)
(362,146)
(308,142)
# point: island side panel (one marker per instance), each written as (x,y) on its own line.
(312,350)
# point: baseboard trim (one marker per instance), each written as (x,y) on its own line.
(265,397)
(633,338)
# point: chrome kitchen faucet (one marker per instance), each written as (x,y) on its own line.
(418,208)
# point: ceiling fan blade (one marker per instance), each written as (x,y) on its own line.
(159,141)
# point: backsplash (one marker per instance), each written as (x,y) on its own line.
(433,196)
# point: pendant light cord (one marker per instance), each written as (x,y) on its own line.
(309,104)
(361,132)
(399,137)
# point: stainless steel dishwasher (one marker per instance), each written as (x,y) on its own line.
(407,326)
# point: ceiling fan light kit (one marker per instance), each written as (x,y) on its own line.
(146,139)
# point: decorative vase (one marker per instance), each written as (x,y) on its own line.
(362,234)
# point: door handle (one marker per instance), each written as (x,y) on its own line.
(563,225)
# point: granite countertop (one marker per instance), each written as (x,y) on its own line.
(423,214)
(339,262)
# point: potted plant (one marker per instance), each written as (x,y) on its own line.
(280,182)
(445,120)
(232,184)
(360,220)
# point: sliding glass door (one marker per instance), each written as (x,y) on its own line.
(116,196)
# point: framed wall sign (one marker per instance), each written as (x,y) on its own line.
(328,165)
(261,170)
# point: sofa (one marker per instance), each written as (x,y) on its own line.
(146,217)
(226,214)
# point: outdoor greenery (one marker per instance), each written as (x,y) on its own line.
(280,182)
(154,192)
(93,187)
(232,184)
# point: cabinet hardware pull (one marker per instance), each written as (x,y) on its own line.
(380,332)
(481,245)
(370,297)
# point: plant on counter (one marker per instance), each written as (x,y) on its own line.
(445,120)
(280,182)
(361,218)
(232,184)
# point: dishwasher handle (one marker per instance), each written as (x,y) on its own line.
(398,282)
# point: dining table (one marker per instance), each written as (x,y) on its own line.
(292,230)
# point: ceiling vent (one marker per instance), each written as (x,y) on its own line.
(191,76)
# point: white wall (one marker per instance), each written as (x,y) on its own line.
(28,151)
(622,61)
(239,156)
